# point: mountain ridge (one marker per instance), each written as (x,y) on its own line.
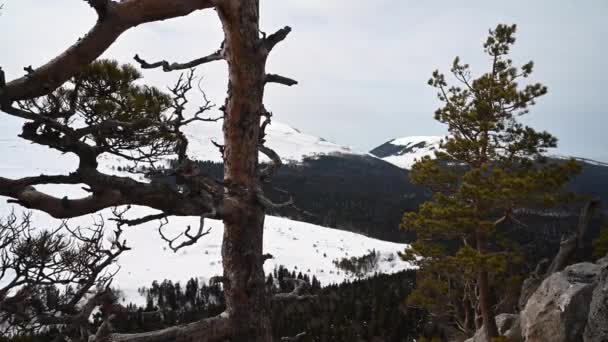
(402,152)
(312,248)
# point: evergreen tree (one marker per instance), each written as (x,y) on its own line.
(490,167)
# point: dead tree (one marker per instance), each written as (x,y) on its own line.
(570,249)
(55,278)
(238,199)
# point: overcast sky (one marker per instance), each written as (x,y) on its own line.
(362,65)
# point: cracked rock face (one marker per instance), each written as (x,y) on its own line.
(597,321)
(558,310)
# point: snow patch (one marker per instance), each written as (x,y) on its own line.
(298,246)
(412,149)
(291,144)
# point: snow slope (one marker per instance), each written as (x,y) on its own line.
(294,244)
(298,246)
(291,144)
(403,152)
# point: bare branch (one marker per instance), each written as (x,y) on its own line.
(300,286)
(219,146)
(119,17)
(33,262)
(108,191)
(211,329)
(28,197)
(2,79)
(275,162)
(297,338)
(569,245)
(267,256)
(274,78)
(120,220)
(267,203)
(217,280)
(192,239)
(47,120)
(271,41)
(100,6)
(216,56)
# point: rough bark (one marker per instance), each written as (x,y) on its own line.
(485,301)
(108,191)
(485,305)
(247,303)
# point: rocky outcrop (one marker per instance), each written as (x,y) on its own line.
(603,262)
(568,306)
(597,321)
(558,310)
(508,326)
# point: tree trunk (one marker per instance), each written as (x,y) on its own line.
(247,303)
(469,317)
(570,248)
(485,302)
(489,323)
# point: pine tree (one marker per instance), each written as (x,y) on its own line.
(490,167)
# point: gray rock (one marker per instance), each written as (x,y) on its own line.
(509,325)
(597,321)
(558,310)
(528,287)
(603,262)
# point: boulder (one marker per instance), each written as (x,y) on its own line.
(508,326)
(603,262)
(558,309)
(597,321)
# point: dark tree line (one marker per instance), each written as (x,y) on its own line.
(354,193)
(368,196)
(362,310)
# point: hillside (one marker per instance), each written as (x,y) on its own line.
(349,192)
(291,144)
(300,246)
(403,152)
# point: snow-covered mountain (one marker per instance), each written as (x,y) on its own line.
(309,248)
(403,152)
(291,144)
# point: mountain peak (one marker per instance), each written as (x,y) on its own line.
(403,152)
(291,144)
